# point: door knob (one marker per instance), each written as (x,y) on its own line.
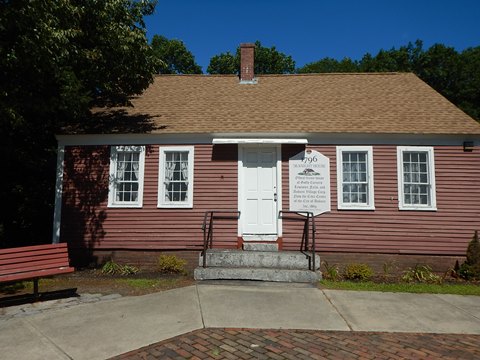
(275,197)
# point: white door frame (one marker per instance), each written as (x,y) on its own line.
(241,192)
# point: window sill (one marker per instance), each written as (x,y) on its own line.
(176,206)
(367,208)
(125,206)
(406,208)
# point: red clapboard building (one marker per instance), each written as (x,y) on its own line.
(404,167)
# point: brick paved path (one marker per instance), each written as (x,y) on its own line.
(303,344)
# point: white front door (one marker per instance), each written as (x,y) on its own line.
(258,182)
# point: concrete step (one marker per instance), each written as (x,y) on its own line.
(263,274)
(252,246)
(258,259)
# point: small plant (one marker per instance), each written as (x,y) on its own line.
(331,271)
(388,267)
(470,269)
(128,270)
(112,268)
(422,274)
(171,264)
(358,272)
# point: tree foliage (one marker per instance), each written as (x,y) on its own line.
(224,63)
(57,58)
(455,75)
(266,61)
(330,65)
(175,57)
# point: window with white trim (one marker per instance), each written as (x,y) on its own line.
(416,178)
(175,185)
(355,178)
(127,164)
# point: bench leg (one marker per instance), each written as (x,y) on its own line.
(35,289)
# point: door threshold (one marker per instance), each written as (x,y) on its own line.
(260,237)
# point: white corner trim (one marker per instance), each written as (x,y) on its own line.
(279,191)
(57,213)
(240,183)
(218,141)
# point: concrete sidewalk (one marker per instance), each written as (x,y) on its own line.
(109,328)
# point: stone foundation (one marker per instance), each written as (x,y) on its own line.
(147,259)
(396,263)
(143,259)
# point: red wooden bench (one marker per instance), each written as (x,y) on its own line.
(34,262)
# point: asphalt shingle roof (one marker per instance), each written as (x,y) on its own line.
(388,103)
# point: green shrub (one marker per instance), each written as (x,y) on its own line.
(359,272)
(470,269)
(112,268)
(171,264)
(422,274)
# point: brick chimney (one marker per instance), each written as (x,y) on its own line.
(247,73)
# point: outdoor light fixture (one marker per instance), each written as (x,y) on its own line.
(468,146)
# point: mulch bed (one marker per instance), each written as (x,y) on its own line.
(93,281)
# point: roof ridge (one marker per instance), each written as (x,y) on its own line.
(196,75)
(339,73)
(390,73)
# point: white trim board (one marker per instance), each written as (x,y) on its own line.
(218,141)
(310,138)
(57,213)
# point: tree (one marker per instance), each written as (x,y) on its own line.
(267,61)
(405,59)
(224,63)
(58,58)
(439,67)
(329,65)
(469,82)
(175,57)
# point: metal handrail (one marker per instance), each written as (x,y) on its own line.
(309,218)
(208,231)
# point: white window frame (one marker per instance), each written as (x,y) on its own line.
(114,150)
(370,205)
(431,175)
(161,177)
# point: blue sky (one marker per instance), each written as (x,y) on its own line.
(309,30)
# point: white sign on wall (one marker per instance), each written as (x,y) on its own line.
(309,175)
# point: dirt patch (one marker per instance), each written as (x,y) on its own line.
(95,282)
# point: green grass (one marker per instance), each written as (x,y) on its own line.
(148,283)
(457,289)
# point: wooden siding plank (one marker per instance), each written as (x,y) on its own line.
(87,222)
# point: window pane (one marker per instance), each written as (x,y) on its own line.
(176,176)
(363,197)
(416,178)
(354,177)
(127,176)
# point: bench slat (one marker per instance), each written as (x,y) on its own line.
(20,255)
(33,248)
(15,268)
(37,274)
(28,259)
(31,262)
